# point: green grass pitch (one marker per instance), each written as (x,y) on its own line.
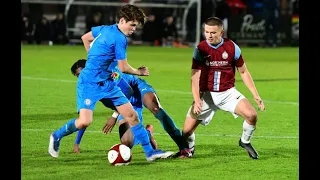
(49,100)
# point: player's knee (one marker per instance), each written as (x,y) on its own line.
(83,123)
(153,107)
(85,118)
(252,117)
(132,116)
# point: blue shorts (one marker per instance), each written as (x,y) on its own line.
(126,90)
(144,88)
(139,90)
(125,87)
(136,99)
(88,94)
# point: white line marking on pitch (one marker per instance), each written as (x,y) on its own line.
(164,134)
(159,90)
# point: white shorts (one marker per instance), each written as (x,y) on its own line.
(212,101)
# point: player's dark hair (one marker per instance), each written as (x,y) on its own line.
(132,13)
(80,63)
(213,21)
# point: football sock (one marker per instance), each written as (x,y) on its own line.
(66,129)
(141,135)
(247,132)
(136,141)
(191,140)
(79,135)
(170,127)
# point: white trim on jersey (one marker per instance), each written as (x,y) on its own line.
(216,80)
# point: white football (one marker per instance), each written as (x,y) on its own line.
(119,155)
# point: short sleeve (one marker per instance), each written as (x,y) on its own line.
(96,30)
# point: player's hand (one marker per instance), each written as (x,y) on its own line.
(143,71)
(197,107)
(260,103)
(76,148)
(107,128)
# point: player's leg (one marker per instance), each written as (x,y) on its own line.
(151,101)
(127,90)
(86,100)
(76,147)
(84,120)
(189,127)
(237,104)
(125,133)
(248,112)
(125,108)
(150,131)
(128,132)
(139,109)
(245,109)
(193,120)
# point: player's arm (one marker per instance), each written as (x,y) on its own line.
(87,39)
(195,79)
(121,55)
(125,67)
(197,61)
(107,128)
(246,77)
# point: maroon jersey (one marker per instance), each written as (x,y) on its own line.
(217,64)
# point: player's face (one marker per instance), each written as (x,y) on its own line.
(78,71)
(128,27)
(213,34)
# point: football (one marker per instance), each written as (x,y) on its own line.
(119,155)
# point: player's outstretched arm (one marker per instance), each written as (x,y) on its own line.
(126,68)
(107,128)
(248,81)
(87,39)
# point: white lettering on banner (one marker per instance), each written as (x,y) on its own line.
(247,24)
(251,29)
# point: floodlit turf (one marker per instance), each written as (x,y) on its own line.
(49,101)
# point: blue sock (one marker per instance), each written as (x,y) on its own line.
(66,129)
(140,133)
(170,127)
(136,141)
(79,135)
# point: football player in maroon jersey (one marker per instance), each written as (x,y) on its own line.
(213,87)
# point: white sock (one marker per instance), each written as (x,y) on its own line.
(247,132)
(191,140)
